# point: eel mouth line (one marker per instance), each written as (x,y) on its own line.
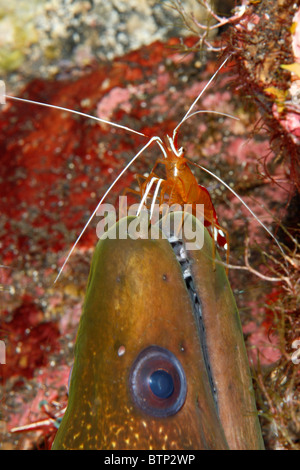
(181,254)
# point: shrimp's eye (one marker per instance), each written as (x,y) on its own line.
(157,382)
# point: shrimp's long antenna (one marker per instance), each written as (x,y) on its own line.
(198,98)
(242,201)
(153,139)
(72,111)
(202,111)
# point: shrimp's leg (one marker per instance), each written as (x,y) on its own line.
(142,186)
(167,188)
(146,193)
(160,181)
(220,236)
(123,204)
(223,241)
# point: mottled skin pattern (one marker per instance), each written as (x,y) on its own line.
(135,298)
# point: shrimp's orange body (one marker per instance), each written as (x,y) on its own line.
(181,187)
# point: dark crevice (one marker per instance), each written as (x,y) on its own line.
(185,264)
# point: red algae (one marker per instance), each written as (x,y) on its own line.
(30,340)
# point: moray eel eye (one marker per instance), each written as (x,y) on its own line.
(157,382)
(161,384)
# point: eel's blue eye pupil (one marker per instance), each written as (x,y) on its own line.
(161,384)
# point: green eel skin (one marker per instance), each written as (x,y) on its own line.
(137,299)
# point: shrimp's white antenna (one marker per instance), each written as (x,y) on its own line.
(153,139)
(198,98)
(72,111)
(243,202)
(202,111)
